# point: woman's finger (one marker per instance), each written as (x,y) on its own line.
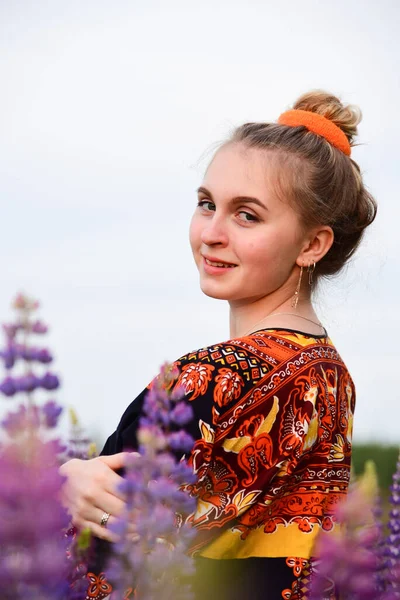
(105,521)
(109,503)
(105,532)
(113,483)
(101,482)
(117,461)
(87,507)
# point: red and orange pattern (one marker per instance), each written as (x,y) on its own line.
(273,423)
(273,459)
(99,587)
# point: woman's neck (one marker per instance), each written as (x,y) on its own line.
(255,315)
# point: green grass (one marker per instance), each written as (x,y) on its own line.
(384,457)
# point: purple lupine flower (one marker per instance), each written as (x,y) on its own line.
(38,327)
(182,413)
(155,560)
(14,422)
(138,560)
(24,352)
(8,386)
(169,372)
(11,330)
(183,473)
(22,420)
(27,383)
(151,436)
(349,557)
(51,412)
(14,351)
(178,392)
(49,381)
(34,562)
(392,545)
(11,353)
(156,406)
(164,466)
(43,356)
(161,488)
(33,549)
(152,487)
(180,440)
(31,354)
(24,303)
(163,519)
(381,570)
(8,355)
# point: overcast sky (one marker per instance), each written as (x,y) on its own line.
(109,112)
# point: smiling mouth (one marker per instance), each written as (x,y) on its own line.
(219,264)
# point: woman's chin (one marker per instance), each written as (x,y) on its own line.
(212,292)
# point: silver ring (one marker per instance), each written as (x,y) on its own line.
(104,519)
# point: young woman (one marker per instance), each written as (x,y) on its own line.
(281,206)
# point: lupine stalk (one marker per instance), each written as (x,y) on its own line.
(381,571)
(349,557)
(392,546)
(34,560)
(153,560)
(32,548)
(18,352)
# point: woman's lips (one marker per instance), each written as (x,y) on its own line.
(216,267)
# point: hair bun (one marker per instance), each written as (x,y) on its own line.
(346,117)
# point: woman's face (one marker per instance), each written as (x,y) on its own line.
(245,240)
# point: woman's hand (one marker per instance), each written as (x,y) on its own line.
(91,489)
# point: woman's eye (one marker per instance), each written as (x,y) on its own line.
(206,204)
(249,217)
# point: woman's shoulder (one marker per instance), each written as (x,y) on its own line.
(247,361)
(243,362)
(271,346)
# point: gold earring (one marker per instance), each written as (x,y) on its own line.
(311,269)
(297,292)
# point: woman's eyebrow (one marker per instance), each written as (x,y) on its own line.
(235,200)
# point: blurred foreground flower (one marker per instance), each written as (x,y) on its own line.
(36,557)
(154,560)
(32,547)
(391,546)
(352,563)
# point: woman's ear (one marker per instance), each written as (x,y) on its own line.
(317,244)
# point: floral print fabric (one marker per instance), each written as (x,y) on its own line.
(273,458)
(273,424)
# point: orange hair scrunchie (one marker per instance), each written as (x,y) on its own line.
(319,125)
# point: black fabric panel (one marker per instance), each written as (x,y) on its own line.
(237,579)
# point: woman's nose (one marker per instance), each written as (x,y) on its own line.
(214,232)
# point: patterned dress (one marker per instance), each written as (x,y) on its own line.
(273,423)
